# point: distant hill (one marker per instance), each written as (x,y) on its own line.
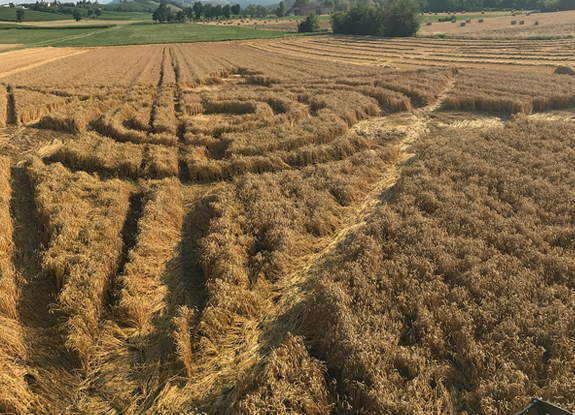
(136,5)
(243,3)
(143,5)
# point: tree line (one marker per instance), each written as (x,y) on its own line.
(398,18)
(65,8)
(200,11)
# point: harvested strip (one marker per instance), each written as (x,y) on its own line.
(350,106)
(341,148)
(163,116)
(166,139)
(74,118)
(424,86)
(295,111)
(3,106)
(259,109)
(31,105)
(160,162)
(388,99)
(140,120)
(490,102)
(158,235)
(114,384)
(84,218)
(94,153)
(204,169)
(191,104)
(323,129)
(164,119)
(489,90)
(111,124)
(224,254)
(14,395)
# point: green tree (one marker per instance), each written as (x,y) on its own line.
(281,10)
(20,15)
(310,24)
(77,15)
(227,11)
(98,12)
(163,13)
(361,19)
(208,8)
(217,11)
(180,16)
(338,22)
(189,13)
(262,11)
(342,6)
(401,19)
(236,9)
(198,9)
(251,10)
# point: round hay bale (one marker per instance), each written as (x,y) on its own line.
(428,23)
(564,70)
(480,20)
(463,24)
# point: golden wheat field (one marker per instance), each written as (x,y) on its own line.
(323,225)
(527,25)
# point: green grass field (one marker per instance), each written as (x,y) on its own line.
(8,26)
(134,16)
(133,34)
(8,14)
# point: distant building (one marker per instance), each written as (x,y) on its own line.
(304,11)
